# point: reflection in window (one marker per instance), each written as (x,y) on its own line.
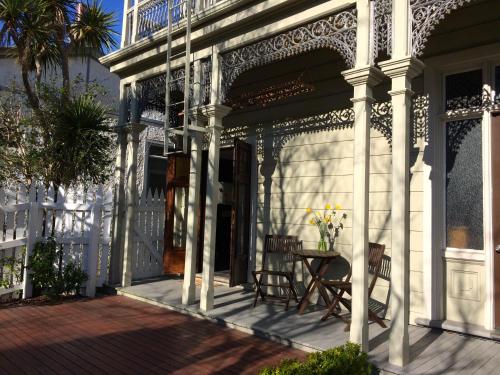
(463,90)
(464,185)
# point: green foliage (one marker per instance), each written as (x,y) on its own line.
(12,268)
(21,153)
(73,278)
(46,32)
(66,142)
(343,360)
(48,273)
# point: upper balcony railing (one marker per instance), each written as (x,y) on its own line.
(144,17)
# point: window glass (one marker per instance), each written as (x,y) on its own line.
(464,185)
(463,90)
(157,170)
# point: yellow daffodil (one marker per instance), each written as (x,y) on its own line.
(312,222)
(309,210)
(338,207)
(328,207)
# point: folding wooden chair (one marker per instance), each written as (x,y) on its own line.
(340,287)
(284,246)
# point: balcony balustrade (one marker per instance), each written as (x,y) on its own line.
(145,17)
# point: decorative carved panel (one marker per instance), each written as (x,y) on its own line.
(337,32)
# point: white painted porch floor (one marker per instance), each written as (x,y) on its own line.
(432,351)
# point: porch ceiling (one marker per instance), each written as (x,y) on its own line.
(473,25)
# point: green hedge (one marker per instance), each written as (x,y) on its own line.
(347,359)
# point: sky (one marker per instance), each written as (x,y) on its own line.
(115,6)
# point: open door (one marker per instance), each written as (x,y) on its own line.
(495,165)
(240,216)
(176,214)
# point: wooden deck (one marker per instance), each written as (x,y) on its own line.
(433,351)
(118,335)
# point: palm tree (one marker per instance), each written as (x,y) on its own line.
(46,32)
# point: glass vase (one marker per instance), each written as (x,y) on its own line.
(322,246)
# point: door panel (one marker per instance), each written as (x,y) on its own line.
(495,163)
(176,214)
(240,218)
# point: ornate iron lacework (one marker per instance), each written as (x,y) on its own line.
(420,118)
(152,90)
(382,28)
(426,15)
(337,32)
(283,131)
(206,80)
(381,119)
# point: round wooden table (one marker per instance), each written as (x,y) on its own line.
(325,258)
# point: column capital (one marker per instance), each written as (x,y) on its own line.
(215,110)
(408,67)
(367,75)
(133,130)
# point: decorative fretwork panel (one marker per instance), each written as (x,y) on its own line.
(382,27)
(381,119)
(426,15)
(151,91)
(420,118)
(337,32)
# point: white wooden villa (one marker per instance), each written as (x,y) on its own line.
(384,107)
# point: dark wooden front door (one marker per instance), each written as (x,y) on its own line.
(495,164)
(176,214)
(240,217)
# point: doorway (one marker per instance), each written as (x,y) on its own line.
(232,242)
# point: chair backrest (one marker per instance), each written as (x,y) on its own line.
(282,245)
(375,256)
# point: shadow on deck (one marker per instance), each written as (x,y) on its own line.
(433,351)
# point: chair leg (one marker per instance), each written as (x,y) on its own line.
(374,317)
(292,288)
(258,290)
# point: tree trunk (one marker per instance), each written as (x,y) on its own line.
(32,98)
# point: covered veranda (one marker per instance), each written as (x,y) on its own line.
(432,351)
(400,341)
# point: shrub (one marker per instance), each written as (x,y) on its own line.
(347,359)
(48,273)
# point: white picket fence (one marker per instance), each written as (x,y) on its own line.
(79,221)
(148,237)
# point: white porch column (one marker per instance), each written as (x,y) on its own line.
(215,113)
(402,68)
(134,130)
(189,286)
(116,261)
(363,79)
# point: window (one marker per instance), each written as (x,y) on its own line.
(463,90)
(464,170)
(157,169)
